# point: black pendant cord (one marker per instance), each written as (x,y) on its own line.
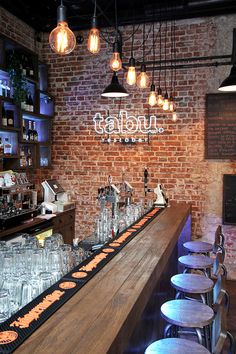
(171,57)
(116,22)
(132,42)
(160,53)
(153,47)
(95,8)
(165,52)
(144,31)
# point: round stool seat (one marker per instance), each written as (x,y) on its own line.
(187,313)
(192,283)
(198,246)
(175,346)
(196,261)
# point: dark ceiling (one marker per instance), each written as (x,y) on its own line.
(41,14)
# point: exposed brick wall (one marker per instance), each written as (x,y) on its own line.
(176,158)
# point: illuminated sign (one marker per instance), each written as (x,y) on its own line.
(126,125)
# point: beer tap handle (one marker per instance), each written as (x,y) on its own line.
(145,181)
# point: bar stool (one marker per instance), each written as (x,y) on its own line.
(205,247)
(187,315)
(184,346)
(175,346)
(197,262)
(202,286)
(197,284)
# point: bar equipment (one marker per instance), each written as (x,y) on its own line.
(15,199)
(161,199)
(55,197)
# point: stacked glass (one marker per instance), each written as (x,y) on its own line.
(26,270)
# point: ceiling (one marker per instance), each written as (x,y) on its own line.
(41,15)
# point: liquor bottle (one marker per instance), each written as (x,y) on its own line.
(31,67)
(7,147)
(4,93)
(7,88)
(27,68)
(30,103)
(23,161)
(4,117)
(35,133)
(30,132)
(24,134)
(29,159)
(23,63)
(10,118)
(1,148)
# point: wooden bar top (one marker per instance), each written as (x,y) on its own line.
(102,315)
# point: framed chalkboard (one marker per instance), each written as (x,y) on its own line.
(229,199)
(220,126)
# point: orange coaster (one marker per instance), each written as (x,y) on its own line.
(67,285)
(108,250)
(7,337)
(114,244)
(79,275)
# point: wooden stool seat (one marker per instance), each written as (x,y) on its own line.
(192,283)
(175,346)
(196,261)
(187,313)
(198,246)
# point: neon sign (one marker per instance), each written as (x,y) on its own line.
(126,124)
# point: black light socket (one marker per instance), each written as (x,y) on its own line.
(159,91)
(132,62)
(94,22)
(153,88)
(61,13)
(143,68)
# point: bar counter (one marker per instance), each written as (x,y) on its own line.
(101,317)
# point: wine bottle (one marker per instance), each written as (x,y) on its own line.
(10,118)
(24,134)
(4,117)
(30,132)
(7,147)
(23,162)
(31,67)
(1,148)
(35,133)
(29,159)
(30,103)
(23,62)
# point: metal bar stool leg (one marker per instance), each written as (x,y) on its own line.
(167,330)
(199,335)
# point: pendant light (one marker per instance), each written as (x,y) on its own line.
(152,98)
(131,75)
(115,89)
(159,91)
(143,78)
(115,62)
(165,106)
(229,84)
(171,100)
(62,40)
(94,34)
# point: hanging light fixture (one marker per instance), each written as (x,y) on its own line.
(229,84)
(165,106)
(143,78)
(131,75)
(62,40)
(115,62)
(152,98)
(94,34)
(159,91)
(171,100)
(115,89)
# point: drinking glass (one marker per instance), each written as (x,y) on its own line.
(4,305)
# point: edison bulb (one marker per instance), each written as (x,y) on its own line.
(152,98)
(165,103)
(131,76)
(143,80)
(94,41)
(62,39)
(174,116)
(171,105)
(115,62)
